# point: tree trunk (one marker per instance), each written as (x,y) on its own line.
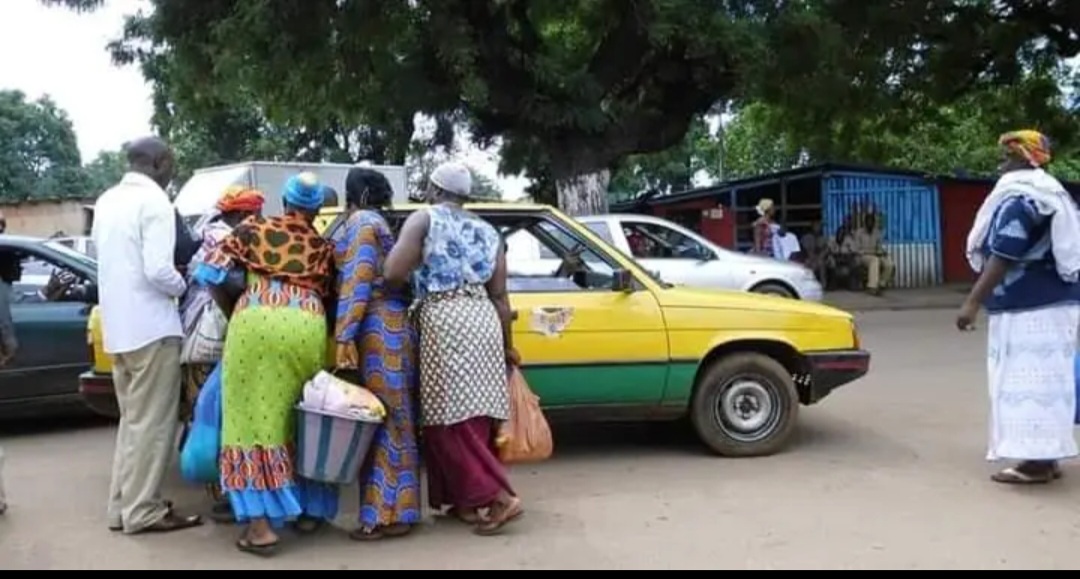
(584,194)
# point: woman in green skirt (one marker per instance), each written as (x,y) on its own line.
(276,342)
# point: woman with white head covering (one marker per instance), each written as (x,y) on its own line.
(463,318)
(765,229)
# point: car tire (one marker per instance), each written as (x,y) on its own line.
(769,411)
(774,289)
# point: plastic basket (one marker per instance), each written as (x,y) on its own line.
(332,448)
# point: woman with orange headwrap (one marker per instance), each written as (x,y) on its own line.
(1025,245)
(235,205)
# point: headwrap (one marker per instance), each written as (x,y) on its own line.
(764,206)
(1031,145)
(304,191)
(241,198)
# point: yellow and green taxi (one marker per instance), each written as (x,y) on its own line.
(603,339)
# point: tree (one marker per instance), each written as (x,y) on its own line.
(104,171)
(39,156)
(572,88)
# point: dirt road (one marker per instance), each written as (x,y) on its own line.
(887,474)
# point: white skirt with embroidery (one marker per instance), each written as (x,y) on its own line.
(1030,363)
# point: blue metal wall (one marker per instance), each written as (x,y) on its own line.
(908,207)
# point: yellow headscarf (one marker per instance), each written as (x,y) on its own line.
(1029,144)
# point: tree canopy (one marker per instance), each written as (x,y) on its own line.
(39,156)
(572,89)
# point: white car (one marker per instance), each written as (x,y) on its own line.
(682,257)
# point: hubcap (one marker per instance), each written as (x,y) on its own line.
(746,409)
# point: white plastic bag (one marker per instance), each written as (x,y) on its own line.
(207,339)
(328,393)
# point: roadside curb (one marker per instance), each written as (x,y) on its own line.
(897,307)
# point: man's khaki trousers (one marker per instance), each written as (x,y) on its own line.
(3,495)
(879,270)
(148,391)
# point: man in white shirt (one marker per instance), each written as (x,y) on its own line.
(135,234)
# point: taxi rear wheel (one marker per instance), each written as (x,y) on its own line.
(745,404)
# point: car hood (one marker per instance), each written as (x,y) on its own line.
(682,297)
(763,262)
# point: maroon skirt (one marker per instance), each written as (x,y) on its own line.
(463,467)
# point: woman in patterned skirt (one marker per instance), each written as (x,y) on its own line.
(276,342)
(374,336)
(464,322)
(235,205)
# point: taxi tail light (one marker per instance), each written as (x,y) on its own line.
(856,343)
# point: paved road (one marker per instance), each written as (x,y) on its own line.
(886,474)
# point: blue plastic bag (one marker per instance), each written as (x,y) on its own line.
(1076,378)
(199,457)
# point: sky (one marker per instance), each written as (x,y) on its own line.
(61,53)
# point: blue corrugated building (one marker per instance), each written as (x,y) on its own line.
(907,202)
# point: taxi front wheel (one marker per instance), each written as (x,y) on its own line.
(745,405)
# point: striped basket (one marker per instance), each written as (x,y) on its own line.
(332,448)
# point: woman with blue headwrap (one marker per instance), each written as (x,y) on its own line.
(271,274)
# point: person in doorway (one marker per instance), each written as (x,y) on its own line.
(765,229)
(867,243)
(10,274)
(1025,245)
(134,231)
(375,338)
(464,322)
(276,342)
(818,250)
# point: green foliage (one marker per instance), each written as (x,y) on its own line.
(39,156)
(578,86)
(104,172)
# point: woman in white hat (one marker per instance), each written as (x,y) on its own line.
(765,229)
(464,320)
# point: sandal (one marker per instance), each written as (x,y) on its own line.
(498,522)
(380,533)
(120,528)
(222,514)
(469,518)
(1016,476)
(307,525)
(170,523)
(244,545)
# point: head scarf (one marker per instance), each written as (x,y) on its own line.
(241,198)
(304,191)
(454,178)
(1031,145)
(764,206)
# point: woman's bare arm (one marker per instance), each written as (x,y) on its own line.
(496,288)
(405,257)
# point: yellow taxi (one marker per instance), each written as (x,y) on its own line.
(603,339)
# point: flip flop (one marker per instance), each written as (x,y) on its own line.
(392,532)
(307,526)
(1015,476)
(246,546)
(497,526)
(222,514)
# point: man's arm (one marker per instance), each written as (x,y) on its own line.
(158,233)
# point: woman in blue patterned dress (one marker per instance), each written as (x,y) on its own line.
(374,337)
(464,319)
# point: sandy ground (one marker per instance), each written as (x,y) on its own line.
(887,474)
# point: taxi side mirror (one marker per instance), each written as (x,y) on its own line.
(622,281)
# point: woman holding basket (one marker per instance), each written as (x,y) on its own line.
(374,337)
(271,275)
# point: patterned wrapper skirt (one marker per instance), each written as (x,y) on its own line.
(276,343)
(1031,367)
(463,397)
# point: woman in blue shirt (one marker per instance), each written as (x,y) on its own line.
(1024,244)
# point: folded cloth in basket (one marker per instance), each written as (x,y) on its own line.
(328,393)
